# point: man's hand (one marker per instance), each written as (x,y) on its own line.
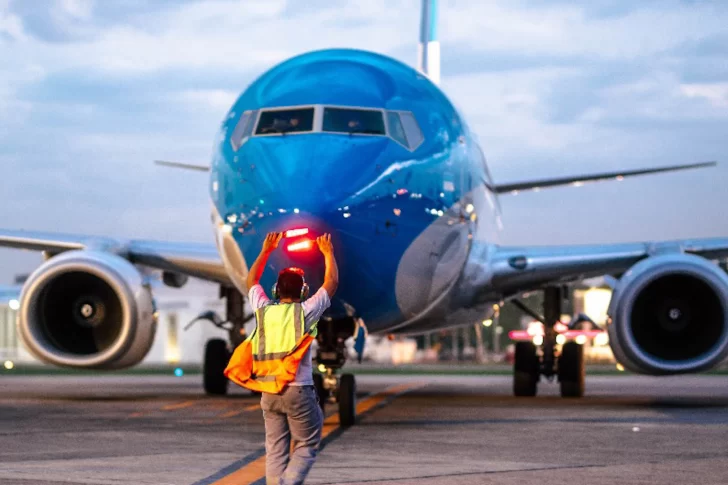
(331,276)
(324,244)
(271,241)
(256,270)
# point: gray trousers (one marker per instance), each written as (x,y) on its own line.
(294,414)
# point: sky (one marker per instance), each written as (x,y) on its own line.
(92,91)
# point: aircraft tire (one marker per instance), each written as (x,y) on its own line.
(572,370)
(217,356)
(347,400)
(321,392)
(526,370)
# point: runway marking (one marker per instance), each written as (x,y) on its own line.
(232,414)
(168,407)
(182,405)
(251,469)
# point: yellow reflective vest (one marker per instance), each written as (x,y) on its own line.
(267,361)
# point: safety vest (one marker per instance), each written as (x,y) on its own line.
(267,361)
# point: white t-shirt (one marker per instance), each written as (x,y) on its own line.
(313,308)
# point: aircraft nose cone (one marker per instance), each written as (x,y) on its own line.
(313,174)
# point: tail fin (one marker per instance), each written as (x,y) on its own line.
(428,61)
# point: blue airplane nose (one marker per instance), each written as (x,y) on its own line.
(311,174)
(325,183)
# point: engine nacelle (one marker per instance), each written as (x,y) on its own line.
(87,309)
(669,315)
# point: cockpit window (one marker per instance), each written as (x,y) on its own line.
(347,120)
(395,128)
(282,121)
(400,126)
(243,129)
(411,129)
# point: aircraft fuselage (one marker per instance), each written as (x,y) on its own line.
(326,141)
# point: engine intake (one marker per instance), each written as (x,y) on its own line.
(669,315)
(87,309)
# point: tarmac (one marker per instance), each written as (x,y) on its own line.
(414,429)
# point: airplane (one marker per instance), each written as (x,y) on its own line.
(371,150)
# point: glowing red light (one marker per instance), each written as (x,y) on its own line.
(296,232)
(301,246)
(401,191)
(519,335)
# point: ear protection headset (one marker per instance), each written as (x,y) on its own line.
(304,286)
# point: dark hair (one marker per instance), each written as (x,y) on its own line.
(290,284)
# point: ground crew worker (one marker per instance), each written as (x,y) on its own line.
(276,360)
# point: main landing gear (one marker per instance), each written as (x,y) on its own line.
(218,351)
(531,361)
(331,356)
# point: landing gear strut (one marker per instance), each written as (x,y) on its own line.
(568,366)
(218,351)
(331,387)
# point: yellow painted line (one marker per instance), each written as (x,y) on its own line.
(169,407)
(232,414)
(255,470)
(182,405)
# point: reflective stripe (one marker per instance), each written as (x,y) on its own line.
(260,317)
(265,378)
(275,356)
(298,320)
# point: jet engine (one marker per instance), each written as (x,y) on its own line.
(669,315)
(87,309)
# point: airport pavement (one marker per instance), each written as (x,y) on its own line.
(416,430)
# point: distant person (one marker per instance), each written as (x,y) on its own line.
(276,360)
(281,125)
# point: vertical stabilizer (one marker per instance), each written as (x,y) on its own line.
(429,48)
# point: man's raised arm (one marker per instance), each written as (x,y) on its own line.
(269,245)
(331,276)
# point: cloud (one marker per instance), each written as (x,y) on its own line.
(569,30)
(716,93)
(11,26)
(92,91)
(218,100)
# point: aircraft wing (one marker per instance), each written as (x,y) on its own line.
(194,259)
(576,180)
(519,269)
